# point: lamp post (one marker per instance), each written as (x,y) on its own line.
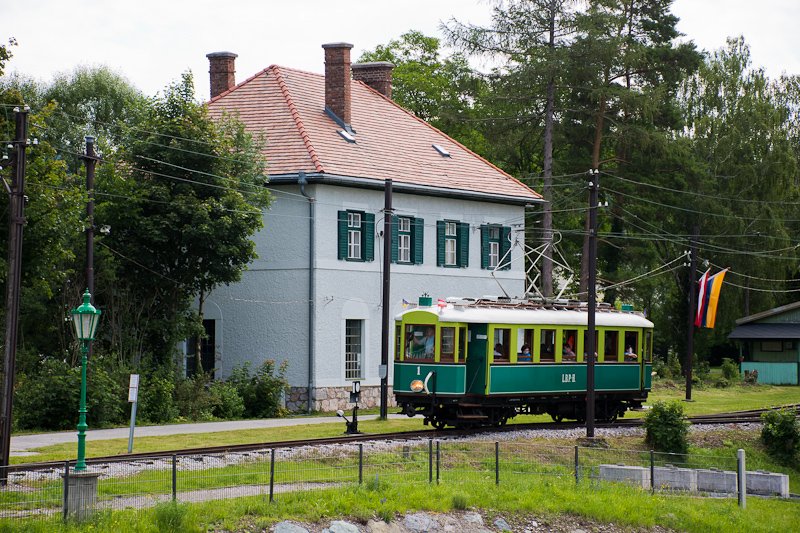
(85,318)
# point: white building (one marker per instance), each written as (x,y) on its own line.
(313,298)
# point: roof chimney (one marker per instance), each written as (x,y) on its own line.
(377,75)
(222,68)
(337,79)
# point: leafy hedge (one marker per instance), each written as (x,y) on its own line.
(666,428)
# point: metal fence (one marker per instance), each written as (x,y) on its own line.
(33,493)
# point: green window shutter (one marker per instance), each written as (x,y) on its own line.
(417,236)
(463,244)
(484,247)
(440,243)
(505,246)
(342,228)
(368,237)
(394,243)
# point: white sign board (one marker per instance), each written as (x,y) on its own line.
(133,388)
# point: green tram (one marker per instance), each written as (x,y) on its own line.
(470,362)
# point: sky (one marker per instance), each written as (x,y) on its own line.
(152,42)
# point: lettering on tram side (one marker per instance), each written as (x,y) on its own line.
(418,371)
(567,378)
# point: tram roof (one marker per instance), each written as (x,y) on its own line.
(537,315)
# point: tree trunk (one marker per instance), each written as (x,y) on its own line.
(198,347)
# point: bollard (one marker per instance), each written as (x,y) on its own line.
(741,473)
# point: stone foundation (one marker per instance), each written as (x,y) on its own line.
(330,399)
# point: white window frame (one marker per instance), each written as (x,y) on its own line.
(450,240)
(494,254)
(353,235)
(353,350)
(403,240)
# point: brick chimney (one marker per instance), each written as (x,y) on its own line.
(377,75)
(337,79)
(222,68)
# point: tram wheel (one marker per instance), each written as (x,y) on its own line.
(438,424)
(557,418)
(500,422)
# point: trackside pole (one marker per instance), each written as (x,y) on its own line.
(133,398)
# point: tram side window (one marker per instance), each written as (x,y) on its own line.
(568,338)
(462,344)
(525,341)
(397,342)
(420,341)
(648,346)
(447,351)
(631,345)
(502,341)
(610,350)
(548,346)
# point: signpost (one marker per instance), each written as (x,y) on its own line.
(133,398)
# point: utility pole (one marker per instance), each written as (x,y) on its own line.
(691,313)
(591,332)
(91,161)
(16,222)
(385,326)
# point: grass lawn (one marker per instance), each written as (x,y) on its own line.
(707,399)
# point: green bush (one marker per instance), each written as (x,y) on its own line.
(171,517)
(156,401)
(225,400)
(193,398)
(666,429)
(674,365)
(730,370)
(660,368)
(48,397)
(722,383)
(702,370)
(781,434)
(262,391)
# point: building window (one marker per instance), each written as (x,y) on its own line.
(452,245)
(407,243)
(356,236)
(353,343)
(495,244)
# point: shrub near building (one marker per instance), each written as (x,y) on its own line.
(666,428)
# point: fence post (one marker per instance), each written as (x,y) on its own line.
(438,461)
(174,477)
(496,463)
(741,474)
(577,467)
(430,460)
(652,472)
(272,475)
(360,464)
(66,488)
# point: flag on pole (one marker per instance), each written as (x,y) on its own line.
(701,296)
(709,298)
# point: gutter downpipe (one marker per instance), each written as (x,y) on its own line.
(302,181)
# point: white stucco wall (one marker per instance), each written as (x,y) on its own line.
(265,315)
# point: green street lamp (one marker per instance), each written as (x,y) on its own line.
(85,318)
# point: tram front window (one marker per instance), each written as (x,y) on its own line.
(448,350)
(420,341)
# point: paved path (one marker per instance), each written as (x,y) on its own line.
(20,445)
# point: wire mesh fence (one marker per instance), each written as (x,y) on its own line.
(31,492)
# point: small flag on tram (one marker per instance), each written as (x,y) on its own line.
(708,298)
(441,303)
(405,303)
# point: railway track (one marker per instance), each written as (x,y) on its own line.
(738,417)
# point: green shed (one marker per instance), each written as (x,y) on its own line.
(769,343)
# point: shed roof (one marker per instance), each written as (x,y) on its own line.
(287,107)
(766,331)
(769,313)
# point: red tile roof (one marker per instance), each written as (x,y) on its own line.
(286,106)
